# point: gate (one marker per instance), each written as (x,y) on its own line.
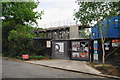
(60,50)
(80,50)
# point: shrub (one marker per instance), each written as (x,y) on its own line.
(36,57)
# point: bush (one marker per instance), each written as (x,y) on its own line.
(20,41)
(36,57)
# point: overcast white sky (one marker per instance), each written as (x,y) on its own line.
(56,12)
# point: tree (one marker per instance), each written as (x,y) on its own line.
(91,12)
(20,41)
(17,14)
(20,12)
(84,33)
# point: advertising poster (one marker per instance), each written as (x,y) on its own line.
(75,54)
(84,46)
(80,49)
(83,55)
(75,46)
(59,47)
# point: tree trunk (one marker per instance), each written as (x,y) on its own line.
(103,49)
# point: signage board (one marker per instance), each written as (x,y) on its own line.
(95,50)
(59,47)
(115,43)
(95,56)
(48,44)
(80,50)
(107,46)
(25,56)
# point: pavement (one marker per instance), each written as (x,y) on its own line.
(71,65)
(23,70)
(67,64)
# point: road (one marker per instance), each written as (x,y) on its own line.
(15,69)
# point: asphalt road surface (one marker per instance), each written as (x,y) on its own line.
(15,69)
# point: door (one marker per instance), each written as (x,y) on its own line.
(59,50)
(80,50)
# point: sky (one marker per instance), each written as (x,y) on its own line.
(56,13)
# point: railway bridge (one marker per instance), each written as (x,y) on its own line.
(62,32)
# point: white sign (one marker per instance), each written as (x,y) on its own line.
(95,41)
(115,44)
(95,52)
(48,44)
(59,47)
(106,48)
(95,56)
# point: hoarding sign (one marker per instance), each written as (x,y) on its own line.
(25,56)
(115,43)
(80,49)
(85,49)
(48,44)
(59,47)
(95,56)
(95,50)
(60,50)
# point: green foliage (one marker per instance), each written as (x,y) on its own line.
(20,12)
(96,11)
(91,12)
(16,35)
(32,57)
(83,34)
(6,28)
(21,32)
(36,57)
(20,41)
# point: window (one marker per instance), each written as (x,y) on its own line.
(117,23)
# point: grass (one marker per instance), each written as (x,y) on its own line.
(108,67)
